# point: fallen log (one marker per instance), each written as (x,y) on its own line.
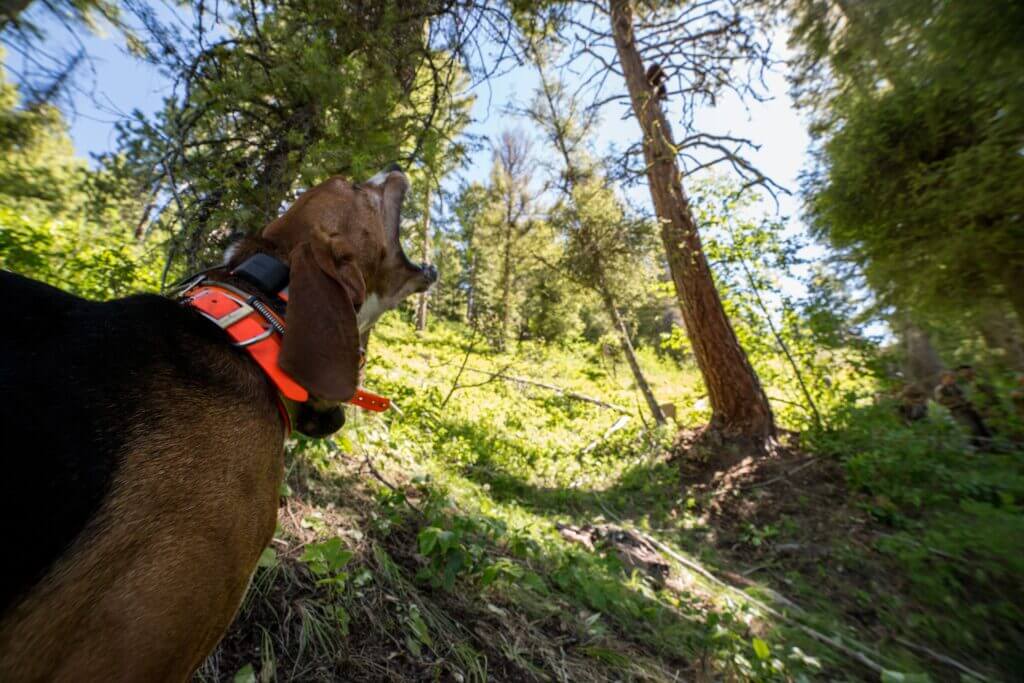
(853,649)
(551,387)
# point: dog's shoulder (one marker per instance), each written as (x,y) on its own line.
(80,378)
(20,296)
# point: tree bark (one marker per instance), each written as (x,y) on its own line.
(421,306)
(277,167)
(506,282)
(634,364)
(740,409)
(1002,334)
(471,288)
(10,10)
(923,365)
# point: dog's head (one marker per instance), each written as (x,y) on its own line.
(347,268)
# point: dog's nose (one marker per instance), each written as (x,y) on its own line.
(430,273)
(319,423)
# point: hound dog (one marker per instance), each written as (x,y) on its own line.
(144,445)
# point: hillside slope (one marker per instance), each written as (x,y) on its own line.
(506,531)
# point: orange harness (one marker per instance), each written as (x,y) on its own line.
(257,328)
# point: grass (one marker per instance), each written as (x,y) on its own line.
(453,564)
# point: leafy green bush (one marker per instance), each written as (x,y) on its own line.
(957,524)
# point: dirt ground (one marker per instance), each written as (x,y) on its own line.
(788,521)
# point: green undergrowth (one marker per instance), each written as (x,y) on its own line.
(425,543)
(950,519)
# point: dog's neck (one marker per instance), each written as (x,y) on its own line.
(250,246)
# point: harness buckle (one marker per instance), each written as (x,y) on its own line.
(244,310)
(252,340)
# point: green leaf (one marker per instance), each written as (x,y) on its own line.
(341,614)
(337,581)
(326,558)
(268,558)
(489,575)
(414,647)
(761,649)
(899,677)
(428,539)
(419,627)
(245,675)
(446,539)
(456,561)
(534,582)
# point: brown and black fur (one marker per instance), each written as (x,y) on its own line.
(144,454)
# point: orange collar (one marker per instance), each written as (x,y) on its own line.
(254,326)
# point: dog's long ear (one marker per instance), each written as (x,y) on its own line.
(321,343)
(395,185)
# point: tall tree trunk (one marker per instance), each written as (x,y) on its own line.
(278,168)
(1014,292)
(740,409)
(923,365)
(471,289)
(421,306)
(10,10)
(506,285)
(627,348)
(1002,334)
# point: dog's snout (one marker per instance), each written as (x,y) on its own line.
(319,423)
(430,273)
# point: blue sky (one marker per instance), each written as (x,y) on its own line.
(116,84)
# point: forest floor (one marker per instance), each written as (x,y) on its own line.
(503,531)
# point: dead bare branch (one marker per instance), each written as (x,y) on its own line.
(551,387)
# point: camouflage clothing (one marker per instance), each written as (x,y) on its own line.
(952,397)
(913,404)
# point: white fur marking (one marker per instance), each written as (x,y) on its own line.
(371,309)
(378,179)
(230,252)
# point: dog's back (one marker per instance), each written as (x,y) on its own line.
(141,450)
(61,358)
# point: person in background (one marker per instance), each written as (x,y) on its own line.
(981,394)
(949,394)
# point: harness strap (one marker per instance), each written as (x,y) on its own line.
(249,328)
(253,325)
